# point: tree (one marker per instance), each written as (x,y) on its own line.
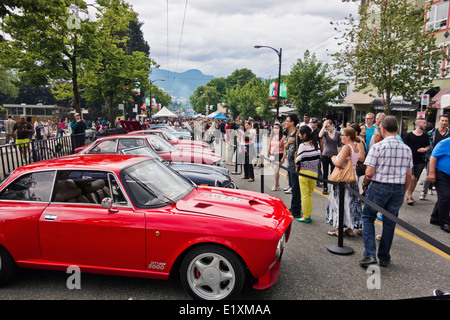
(44,44)
(239,77)
(388,50)
(8,82)
(310,85)
(203,96)
(112,73)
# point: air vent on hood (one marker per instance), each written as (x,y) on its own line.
(203,205)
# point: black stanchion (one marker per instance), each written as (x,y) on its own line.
(236,163)
(262,174)
(340,248)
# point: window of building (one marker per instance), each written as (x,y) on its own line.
(438,16)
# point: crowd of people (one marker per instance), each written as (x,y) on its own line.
(389,167)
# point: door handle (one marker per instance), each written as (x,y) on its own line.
(50,217)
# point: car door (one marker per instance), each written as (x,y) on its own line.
(85,233)
(22,202)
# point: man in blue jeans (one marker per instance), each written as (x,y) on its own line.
(389,170)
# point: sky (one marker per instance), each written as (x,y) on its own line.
(218,36)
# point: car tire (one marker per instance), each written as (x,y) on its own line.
(211,272)
(8,267)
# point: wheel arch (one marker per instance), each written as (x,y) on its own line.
(179,260)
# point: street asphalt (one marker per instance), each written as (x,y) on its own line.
(310,271)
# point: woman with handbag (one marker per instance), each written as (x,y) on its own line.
(277,154)
(331,145)
(345,165)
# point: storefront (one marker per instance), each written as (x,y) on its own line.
(404,111)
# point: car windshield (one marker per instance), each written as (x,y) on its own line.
(151,183)
(170,136)
(142,151)
(159,144)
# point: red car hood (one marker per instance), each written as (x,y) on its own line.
(252,207)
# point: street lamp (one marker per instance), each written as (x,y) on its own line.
(279,75)
(150,93)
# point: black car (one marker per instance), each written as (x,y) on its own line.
(200,174)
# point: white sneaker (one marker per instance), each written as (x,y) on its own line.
(422,196)
(288,191)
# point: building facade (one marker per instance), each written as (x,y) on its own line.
(437,20)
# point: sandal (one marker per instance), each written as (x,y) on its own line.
(333,233)
(411,201)
(275,189)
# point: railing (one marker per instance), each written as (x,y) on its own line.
(13,156)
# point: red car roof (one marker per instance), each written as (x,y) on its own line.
(110,162)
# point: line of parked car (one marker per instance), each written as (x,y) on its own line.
(143,204)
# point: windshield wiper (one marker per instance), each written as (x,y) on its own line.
(155,193)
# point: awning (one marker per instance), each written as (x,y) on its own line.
(360,98)
(397,104)
(438,96)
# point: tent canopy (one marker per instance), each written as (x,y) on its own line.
(164,112)
(219,116)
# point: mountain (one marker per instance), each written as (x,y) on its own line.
(180,85)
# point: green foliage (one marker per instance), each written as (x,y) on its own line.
(102,58)
(386,48)
(310,85)
(244,95)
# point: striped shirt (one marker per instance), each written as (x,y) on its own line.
(391,159)
(308,157)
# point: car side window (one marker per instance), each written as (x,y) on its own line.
(130,143)
(107,146)
(36,186)
(89,187)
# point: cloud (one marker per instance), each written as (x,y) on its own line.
(218,36)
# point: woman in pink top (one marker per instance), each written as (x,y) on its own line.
(276,153)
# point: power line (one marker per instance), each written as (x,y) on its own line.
(181,36)
(325,40)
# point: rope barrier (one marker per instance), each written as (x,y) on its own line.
(340,248)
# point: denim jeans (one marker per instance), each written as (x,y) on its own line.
(389,197)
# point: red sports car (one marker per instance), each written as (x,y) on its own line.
(133,216)
(171,138)
(167,151)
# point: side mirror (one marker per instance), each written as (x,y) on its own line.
(107,204)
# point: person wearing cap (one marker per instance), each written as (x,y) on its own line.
(78,127)
(22,130)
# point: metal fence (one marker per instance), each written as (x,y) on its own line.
(13,156)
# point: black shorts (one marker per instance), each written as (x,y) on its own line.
(417,169)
